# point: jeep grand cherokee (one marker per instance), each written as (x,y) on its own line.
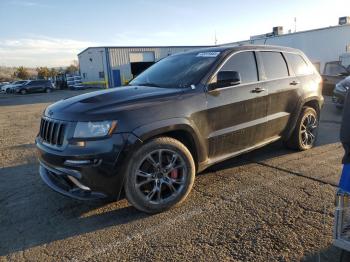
(183,114)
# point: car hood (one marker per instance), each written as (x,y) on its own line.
(104,104)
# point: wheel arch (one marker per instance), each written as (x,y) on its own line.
(178,128)
(314,102)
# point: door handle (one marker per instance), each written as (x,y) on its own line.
(294,83)
(258,90)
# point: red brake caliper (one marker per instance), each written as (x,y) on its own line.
(174,174)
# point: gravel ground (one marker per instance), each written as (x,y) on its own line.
(272,204)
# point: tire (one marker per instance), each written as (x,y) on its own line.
(8,91)
(48,90)
(304,136)
(23,91)
(149,187)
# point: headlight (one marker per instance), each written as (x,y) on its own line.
(94,129)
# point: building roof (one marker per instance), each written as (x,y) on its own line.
(128,47)
(290,34)
(243,47)
(232,43)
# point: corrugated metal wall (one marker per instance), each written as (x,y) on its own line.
(119,57)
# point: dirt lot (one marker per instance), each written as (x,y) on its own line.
(269,205)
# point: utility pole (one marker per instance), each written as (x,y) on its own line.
(215,39)
(295,24)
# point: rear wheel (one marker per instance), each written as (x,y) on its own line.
(305,132)
(8,90)
(160,175)
(23,92)
(48,90)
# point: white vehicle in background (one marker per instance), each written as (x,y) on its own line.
(9,87)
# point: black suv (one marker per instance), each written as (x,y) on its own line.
(34,86)
(183,114)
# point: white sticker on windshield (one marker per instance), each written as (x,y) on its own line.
(208,54)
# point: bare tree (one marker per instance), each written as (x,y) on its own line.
(22,73)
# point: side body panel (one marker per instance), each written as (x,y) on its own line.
(237,119)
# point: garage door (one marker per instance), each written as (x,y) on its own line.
(141,57)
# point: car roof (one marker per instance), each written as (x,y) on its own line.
(236,48)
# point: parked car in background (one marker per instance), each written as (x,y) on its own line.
(33,86)
(333,73)
(4,83)
(10,87)
(183,114)
(340,91)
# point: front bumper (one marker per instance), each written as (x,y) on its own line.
(94,171)
(67,185)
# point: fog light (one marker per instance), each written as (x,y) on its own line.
(78,143)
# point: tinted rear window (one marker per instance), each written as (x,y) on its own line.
(274,65)
(297,64)
(245,64)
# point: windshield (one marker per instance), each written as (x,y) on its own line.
(177,71)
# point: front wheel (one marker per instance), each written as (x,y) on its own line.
(23,92)
(306,130)
(48,90)
(160,175)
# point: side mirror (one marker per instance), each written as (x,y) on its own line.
(227,78)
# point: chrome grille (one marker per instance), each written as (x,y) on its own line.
(52,131)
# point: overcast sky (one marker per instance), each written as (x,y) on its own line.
(39,32)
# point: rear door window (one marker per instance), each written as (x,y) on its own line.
(245,64)
(297,64)
(274,65)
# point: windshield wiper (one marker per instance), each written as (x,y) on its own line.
(148,84)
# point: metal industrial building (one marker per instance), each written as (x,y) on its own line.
(321,45)
(117,65)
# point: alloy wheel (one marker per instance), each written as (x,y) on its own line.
(161,176)
(309,130)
